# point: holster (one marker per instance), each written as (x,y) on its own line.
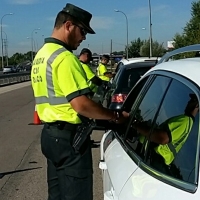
(83,132)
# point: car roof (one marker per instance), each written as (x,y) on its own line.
(8,66)
(139,59)
(148,64)
(188,67)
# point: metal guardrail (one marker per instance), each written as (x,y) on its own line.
(10,79)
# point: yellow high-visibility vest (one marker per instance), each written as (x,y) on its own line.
(90,74)
(57,77)
(100,72)
(180,127)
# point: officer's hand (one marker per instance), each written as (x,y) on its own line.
(110,75)
(121,117)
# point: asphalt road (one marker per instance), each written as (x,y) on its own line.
(23,167)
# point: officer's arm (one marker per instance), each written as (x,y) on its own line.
(97,81)
(158,136)
(88,108)
(108,74)
(105,72)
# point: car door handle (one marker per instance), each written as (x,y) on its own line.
(102,165)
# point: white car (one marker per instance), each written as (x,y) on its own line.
(9,69)
(124,61)
(165,100)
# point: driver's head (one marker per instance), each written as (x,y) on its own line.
(192,106)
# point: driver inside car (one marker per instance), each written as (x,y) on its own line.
(168,138)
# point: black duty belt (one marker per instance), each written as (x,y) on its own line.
(63,125)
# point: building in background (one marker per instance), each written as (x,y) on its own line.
(170,45)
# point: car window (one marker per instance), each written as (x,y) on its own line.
(129,77)
(119,65)
(146,111)
(179,116)
(117,76)
(136,90)
(169,108)
(8,67)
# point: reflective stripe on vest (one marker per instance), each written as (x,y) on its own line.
(51,99)
(173,147)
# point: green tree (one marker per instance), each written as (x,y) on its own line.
(134,48)
(139,48)
(157,49)
(16,58)
(191,31)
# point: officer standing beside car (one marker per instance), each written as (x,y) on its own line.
(61,92)
(85,57)
(102,71)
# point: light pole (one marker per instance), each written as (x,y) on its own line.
(32,42)
(6,47)
(126,31)
(2,38)
(150,31)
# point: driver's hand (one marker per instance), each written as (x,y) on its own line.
(123,118)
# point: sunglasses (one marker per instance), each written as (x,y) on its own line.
(82,30)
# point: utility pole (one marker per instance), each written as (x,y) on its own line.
(111,55)
(150,31)
(6,50)
(5,44)
(2,53)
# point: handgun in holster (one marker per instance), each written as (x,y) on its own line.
(83,132)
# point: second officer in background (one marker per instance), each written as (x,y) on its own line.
(94,81)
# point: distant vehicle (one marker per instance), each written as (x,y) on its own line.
(28,67)
(9,69)
(135,60)
(128,73)
(24,66)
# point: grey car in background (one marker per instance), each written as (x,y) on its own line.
(9,69)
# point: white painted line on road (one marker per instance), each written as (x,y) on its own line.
(9,88)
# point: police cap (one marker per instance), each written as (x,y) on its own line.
(81,15)
(105,56)
(85,50)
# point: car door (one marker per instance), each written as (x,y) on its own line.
(165,105)
(116,164)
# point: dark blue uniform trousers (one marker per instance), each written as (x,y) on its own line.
(69,174)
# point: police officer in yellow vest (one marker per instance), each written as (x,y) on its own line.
(85,57)
(102,71)
(60,88)
(169,137)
